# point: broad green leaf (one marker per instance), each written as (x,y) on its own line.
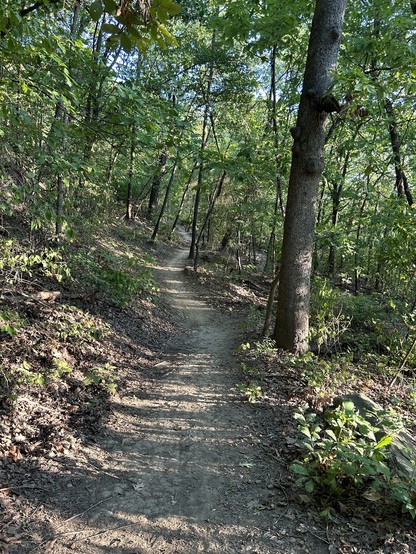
(110,5)
(299,469)
(96,10)
(126,42)
(110,28)
(384,441)
(331,434)
(309,486)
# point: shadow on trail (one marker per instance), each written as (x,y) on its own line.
(177,470)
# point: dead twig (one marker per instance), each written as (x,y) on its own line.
(318,537)
(84,512)
(105,531)
(403,363)
(58,535)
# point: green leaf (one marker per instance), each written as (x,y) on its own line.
(309,486)
(110,28)
(331,434)
(69,233)
(299,469)
(171,7)
(384,441)
(126,43)
(348,406)
(170,39)
(96,10)
(110,5)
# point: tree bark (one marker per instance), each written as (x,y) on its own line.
(184,194)
(402,185)
(278,205)
(154,193)
(129,215)
(165,199)
(292,318)
(207,113)
(200,174)
(217,194)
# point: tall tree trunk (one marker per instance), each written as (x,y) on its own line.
(199,185)
(157,179)
(402,185)
(184,194)
(207,110)
(277,148)
(357,271)
(292,318)
(278,204)
(216,195)
(336,202)
(112,158)
(128,215)
(165,199)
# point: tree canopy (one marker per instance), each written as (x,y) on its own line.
(186,111)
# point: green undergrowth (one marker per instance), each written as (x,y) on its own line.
(116,277)
(346,457)
(367,325)
(48,340)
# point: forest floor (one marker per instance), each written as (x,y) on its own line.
(181,464)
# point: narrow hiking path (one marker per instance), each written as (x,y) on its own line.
(177,469)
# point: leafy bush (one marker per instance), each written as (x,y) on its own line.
(10,322)
(18,263)
(322,374)
(76,326)
(365,324)
(347,455)
(251,390)
(328,322)
(104,377)
(118,277)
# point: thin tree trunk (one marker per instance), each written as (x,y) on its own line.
(199,183)
(292,318)
(238,251)
(253,245)
(154,193)
(216,195)
(184,194)
(357,239)
(112,158)
(165,199)
(128,215)
(207,111)
(402,185)
(59,204)
(269,307)
(336,202)
(278,203)
(277,149)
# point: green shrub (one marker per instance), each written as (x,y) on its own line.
(328,321)
(104,377)
(117,277)
(346,455)
(18,263)
(251,390)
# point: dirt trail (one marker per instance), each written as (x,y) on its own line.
(178,470)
